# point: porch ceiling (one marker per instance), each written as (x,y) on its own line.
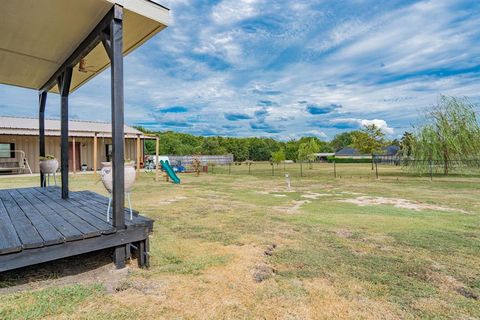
(36,37)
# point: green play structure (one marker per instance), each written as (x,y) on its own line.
(169,170)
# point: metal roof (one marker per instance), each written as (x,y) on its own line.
(29,126)
(36,37)
(347,151)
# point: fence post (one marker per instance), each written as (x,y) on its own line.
(301,169)
(376,169)
(273,169)
(431,170)
(249,165)
(229,168)
(334,168)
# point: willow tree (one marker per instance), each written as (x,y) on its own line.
(450,134)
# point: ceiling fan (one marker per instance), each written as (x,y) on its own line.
(83,67)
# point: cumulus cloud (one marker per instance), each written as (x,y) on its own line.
(382,124)
(254,67)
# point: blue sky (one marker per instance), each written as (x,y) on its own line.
(288,68)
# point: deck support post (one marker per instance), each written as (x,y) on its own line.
(109,32)
(138,160)
(114,44)
(42,99)
(64,81)
(95,153)
(74,155)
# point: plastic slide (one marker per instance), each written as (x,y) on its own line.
(169,170)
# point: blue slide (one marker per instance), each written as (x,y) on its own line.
(169,170)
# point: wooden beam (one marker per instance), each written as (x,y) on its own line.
(64,87)
(118,121)
(95,153)
(157,146)
(138,153)
(74,156)
(42,97)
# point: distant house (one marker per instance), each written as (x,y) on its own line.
(391,155)
(19,140)
(390,150)
(349,152)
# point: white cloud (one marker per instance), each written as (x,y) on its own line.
(231,11)
(379,123)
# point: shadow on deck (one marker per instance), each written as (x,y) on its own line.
(37,225)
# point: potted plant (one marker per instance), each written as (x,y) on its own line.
(48,164)
(84,167)
(107,174)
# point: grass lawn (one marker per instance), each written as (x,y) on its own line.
(244,247)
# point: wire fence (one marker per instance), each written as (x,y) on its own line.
(376,170)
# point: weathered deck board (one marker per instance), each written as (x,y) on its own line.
(100,212)
(37,225)
(49,234)
(85,215)
(87,229)
(9,241)
(68,231)
(26,232)
(103,200)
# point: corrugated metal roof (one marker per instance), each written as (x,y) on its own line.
(29,126)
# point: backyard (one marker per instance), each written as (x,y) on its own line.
(230,246)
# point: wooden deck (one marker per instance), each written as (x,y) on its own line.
(37,225)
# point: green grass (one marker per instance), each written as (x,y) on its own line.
(332,259)
(46,302)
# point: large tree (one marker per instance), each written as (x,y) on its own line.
(450,134)
(369,140)
(342,140)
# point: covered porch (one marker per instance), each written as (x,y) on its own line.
(56,46)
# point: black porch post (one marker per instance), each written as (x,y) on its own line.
(64,88)
(42,99)
(118,194)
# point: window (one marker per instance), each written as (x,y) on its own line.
(108,152)
(6,150)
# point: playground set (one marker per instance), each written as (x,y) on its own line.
(164,164)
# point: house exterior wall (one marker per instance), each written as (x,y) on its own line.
(30,145)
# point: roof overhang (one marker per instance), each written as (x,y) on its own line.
(36,37)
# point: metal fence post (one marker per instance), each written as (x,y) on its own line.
(334,167)
(431,170)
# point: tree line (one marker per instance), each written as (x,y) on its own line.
(448,132)
(263,149)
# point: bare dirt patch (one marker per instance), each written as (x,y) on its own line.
(92,268)
(294,207)
(172,200)
(398,203)
(314,195)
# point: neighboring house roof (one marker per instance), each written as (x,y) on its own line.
(29,126)
(391,150)
(347,151)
